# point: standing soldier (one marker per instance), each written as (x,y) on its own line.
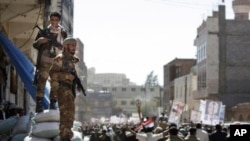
(49,44)
(60,74)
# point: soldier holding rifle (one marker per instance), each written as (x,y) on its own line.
(49,44)
(61,74)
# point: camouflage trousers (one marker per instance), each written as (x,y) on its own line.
(67,111)
(43,76)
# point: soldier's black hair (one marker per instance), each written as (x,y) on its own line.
(55,14)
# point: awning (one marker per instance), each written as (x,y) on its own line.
(24,68)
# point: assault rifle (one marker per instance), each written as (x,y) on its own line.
(47,34)
(77,83)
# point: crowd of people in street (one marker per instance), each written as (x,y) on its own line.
(161,131)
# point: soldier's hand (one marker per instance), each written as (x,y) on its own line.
(70,77)
(43,40)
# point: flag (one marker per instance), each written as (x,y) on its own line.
(147,124)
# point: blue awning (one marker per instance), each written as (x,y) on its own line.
(24,68)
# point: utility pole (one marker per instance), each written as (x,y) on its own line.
(185,94)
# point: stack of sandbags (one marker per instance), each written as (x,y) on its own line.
(22,127)
(6,127)
(45,126)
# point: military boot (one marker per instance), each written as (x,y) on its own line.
(52,105)
(39,105)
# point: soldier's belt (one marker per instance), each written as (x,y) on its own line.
(65,84)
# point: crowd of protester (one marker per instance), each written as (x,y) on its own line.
(161,131)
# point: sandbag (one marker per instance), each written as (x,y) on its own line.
(47,116)
(45,129)
(31,138)
(7,125)
(77,137)
(18,137)
(23,125)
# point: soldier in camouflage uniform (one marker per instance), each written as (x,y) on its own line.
(63,80)
(49,44)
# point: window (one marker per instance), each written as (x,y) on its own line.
(106,104)
(133,89)
(13,81)
(114,89)
(178,71)
(199,81)
(123,102)
(132,102)
(152,89)
(105,89)
(123,89)
(143,89)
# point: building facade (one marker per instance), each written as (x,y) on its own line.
(124,98)
(223,62)
(18,27)
(96,105)
(107,79)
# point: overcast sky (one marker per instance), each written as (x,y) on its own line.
(136,37)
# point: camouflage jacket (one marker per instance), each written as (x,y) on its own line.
(61,66)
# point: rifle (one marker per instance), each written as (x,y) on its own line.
(47,34)
(77,82)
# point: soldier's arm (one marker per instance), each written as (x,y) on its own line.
(40,39)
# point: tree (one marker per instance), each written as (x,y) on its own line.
(152,80)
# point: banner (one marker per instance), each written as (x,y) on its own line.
(176,111)
(211,112)
(222,113)
(195,116)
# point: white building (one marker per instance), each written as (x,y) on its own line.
(183,92)
(107,79)
(124,97)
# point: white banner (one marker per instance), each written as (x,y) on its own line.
(211,112)
(176,111)
(222,113)
(195,116)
